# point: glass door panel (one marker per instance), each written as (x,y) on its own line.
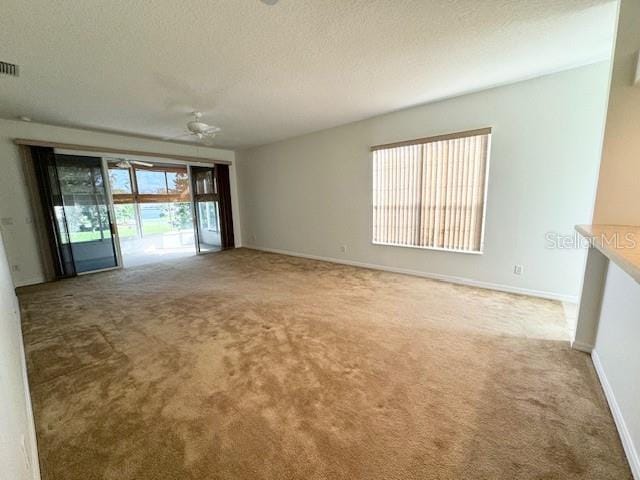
(66,267)
(206,207)
(84,213)
(208,226)
(204,181)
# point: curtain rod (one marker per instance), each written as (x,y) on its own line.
(436,138)
(87,148)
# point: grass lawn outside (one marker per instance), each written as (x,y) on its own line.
(149,227)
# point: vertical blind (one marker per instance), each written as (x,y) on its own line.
(430,193)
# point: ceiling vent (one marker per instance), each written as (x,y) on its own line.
(9,69)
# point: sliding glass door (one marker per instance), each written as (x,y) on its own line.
(82,213)
(207,210)
(96,211)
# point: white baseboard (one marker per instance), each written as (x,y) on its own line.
(29,281)
(581,346)
(433,276)
(623,431)
(34,463)
(31,443)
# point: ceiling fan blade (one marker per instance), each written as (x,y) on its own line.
(144,164)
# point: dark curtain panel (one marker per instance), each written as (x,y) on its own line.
(44,167)
(224,193)
(40,222)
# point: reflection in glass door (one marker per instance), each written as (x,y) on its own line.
(206,202)
(83,213)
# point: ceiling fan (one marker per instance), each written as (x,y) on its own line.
(199,129)
(131,163)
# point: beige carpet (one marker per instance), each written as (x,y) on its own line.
(248,365)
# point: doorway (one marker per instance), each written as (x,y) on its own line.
(153,211)
(99,212)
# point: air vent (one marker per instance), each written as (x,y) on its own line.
(9,69)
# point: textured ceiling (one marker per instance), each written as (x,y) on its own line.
(266,73)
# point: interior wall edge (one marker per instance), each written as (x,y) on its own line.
(18,444)
(619,174)
(33,443)
(625,436)
(582,346)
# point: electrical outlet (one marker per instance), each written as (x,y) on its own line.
(15,268)
(518,269)
(252,238)
(343,248)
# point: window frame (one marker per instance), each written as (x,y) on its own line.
(136,197)
(435,138)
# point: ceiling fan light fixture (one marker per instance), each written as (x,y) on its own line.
(123,164)
(131,163)
(198,129)
(196,126)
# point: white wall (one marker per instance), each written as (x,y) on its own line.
(20,237)
(312,194)
(16,420)
(617,357)
(619,183)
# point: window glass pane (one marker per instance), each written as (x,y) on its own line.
(126,219)
(165,217)
(209,216)
(87,222)
(84,202)
(150,182)
(209,226)
(153,218)
(178,182)
(75,180)
(120,179)
(204,182)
